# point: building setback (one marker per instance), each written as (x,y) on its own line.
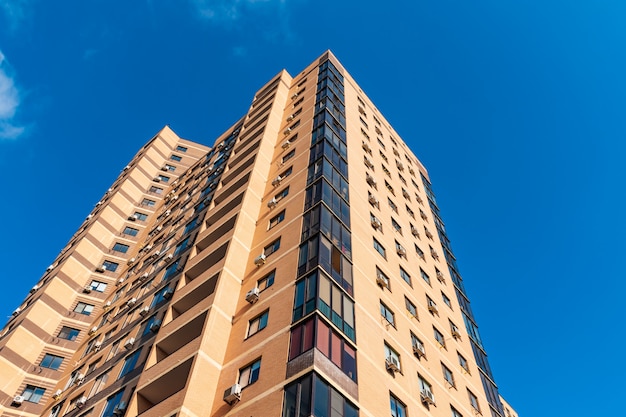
(299,267)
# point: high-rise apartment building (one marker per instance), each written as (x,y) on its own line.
(299,267)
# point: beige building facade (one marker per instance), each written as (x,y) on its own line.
(299,267)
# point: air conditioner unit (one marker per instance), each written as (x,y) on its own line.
(427,397)
(376,224)
(287,131)
(253,295)
(50,268)
(260,260)
(99,203)
(57,394)
(372,199)
(163,168)
(370,180)
(144,311)
(392,364)
(129,343)
(126,168)
(175,198)
(97,346)
(169,257)
(455,333)
(295,96)
(132,218)
(291,117)
(414,231)
(119,409)
(81,402)
(440,277)
(168,212)
(168,293)
(380,280)
(144,276)
(120,281)
(89,217)
(156,253)
(79,379)
(286,144)
(154,327)
(272,203)
(35,288)
(366,147)
(277,181)
(93,330)
(106,305)
(131,261)
(17,311)
(159,228)
(17,400)
(432,307)
(419,350)
(87,289)
(156,179)
(232,394)
(401,251)
(131,302)
(101,268)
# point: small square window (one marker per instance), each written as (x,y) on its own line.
(155,190)
(266,281)
(258,323)
(272,247)
(405,276)
(129,231)
(473,399)
(447,375)
(439,337)
(425,276)
(181,148)
(398,409)
(249,374)
(446,300)
(68,333)
(277,219)
(463,363)
(120,247)
(33,394)
(410,307)
(380,249)
(288,156)
(51,361)
(110,266)
(387,314)
(83,308)
(140,216)
(176,158)
(98,286)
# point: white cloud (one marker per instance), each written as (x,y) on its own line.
(9,102)
(228,10)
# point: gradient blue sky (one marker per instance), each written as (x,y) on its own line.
(516,108)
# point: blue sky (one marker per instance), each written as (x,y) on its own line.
(516,108)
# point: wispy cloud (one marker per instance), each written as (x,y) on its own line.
(9,102)
(250,15)
(14,12)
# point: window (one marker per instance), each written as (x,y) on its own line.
(147,202)
(454,330)
(405,276)
(310,395)
(426,389)
(392,205)
(379,248)
(398,409)
(181,246)
(290,155)
(392,357)
(387,314)
(447,375)
(400,250)
(266,281)
(120,247)
(110,266)
(249,374)
(425,276)
(390,188)
(68,333)
(258,323)
(380,142)
(463,363)
(439,338)
(140,216)
(446,300)
(433,253)
(191,225)
(423,215)
(428,234)
(148,325)
(286,173)
(277,219)
(33,394)
(382,279)
(129,363)
(172,270)
(169,167)
(419,252)
(282,194)
(83,308)
(272,247)
(473,400)
(418,346)
(181,148)
(176,158)
(410,307)
(112,402)
(455,412)
(396,225)
(164,178)
(98,286)
(409,211)
(382,155)
(51,361)
(129,231)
